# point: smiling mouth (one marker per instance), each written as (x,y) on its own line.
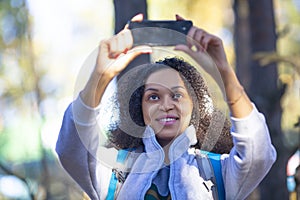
(168,120)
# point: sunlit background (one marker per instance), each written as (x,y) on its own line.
(43,46)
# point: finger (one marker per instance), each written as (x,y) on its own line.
(137,18)
(127,57)
(104,47)
(112,47)
(120,43)
(199,36)
(179,18)
(194,38)
(125,40)
(207,40)
(190,36)
(184,48)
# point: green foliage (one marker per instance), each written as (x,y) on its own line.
(20,147)
(19,84)
(14,22)
(20,78)
(288,59)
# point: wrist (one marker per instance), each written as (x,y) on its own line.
(229,78)
(236,96)
(94,88)
(234,90)
(100,78)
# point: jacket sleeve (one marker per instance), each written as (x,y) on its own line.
(77,146)
(250,159)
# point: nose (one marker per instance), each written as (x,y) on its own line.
(167,104)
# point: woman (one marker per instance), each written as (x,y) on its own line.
(174,114)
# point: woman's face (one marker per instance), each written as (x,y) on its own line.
(167,106)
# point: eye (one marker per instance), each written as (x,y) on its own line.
(177,96)
(153,97)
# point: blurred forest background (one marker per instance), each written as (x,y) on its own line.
(43,45)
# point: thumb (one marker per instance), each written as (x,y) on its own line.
(184,48)
(137,18)
(200,57)
(125,58)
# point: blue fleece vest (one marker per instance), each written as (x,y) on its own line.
(213,158)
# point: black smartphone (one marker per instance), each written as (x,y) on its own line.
(160,32)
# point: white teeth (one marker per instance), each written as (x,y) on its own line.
(167,119)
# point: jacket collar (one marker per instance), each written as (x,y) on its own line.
(179,146)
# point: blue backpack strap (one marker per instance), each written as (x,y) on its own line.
(121,157)
(112,187)
(215,160)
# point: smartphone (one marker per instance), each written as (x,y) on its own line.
(160,32)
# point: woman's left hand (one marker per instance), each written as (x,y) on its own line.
(200,42)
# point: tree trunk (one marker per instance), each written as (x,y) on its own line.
(242,41)
(262,85)
(124,11)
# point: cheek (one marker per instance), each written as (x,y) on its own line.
(146,113)
(187,112)
(149,113)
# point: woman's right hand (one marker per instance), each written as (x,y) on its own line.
(116,52)
(114,55)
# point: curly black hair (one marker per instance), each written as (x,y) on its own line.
(212,127)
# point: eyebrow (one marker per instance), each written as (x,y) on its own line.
(173,88)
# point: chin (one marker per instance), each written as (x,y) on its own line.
(166,136)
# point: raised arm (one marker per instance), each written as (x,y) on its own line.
(201,43)
(253,153)
(79,136)
(114,55)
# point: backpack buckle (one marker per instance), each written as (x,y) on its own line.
(120,175)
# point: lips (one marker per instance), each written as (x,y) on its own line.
(168,120)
